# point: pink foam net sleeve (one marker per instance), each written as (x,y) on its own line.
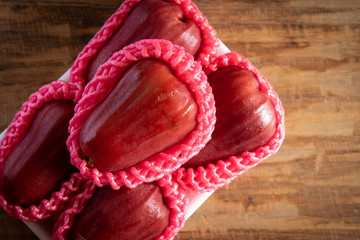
(186,70)
(177,203)
(191,11)
(213,176)
(76,206)
(16,131)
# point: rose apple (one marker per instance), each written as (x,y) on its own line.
(150,19)
(245,117)
(41,161)
(127,214)
(147,111)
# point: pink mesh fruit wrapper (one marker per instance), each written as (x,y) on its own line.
(213,176)
(190,10)
(76,206)
(187,71)
(16,131)
(177,203)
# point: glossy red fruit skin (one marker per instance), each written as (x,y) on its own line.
(133,214)
(150,19)
(148,110)
(245,117)
(41,161)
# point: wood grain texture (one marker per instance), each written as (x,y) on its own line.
(310,53)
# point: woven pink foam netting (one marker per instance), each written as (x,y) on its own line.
(214,176)
(177,203)
(191,11)
(16,131)
(186,70)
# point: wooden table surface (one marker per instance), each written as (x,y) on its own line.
(310,53)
